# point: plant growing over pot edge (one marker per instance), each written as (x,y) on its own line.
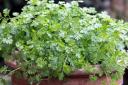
(51,40)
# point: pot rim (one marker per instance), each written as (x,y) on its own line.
(76,73)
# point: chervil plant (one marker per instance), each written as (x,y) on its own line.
(51,40)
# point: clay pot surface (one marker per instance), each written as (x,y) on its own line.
(11,64)
(77,78)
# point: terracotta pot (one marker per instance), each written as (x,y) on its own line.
(69,81)
(11,64)
(79,77)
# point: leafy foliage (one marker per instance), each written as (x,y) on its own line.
(51,40)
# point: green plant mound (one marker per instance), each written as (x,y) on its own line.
(51,40)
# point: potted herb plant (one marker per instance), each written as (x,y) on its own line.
(64,45)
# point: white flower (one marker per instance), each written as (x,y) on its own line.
(7,40)
(62,34)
